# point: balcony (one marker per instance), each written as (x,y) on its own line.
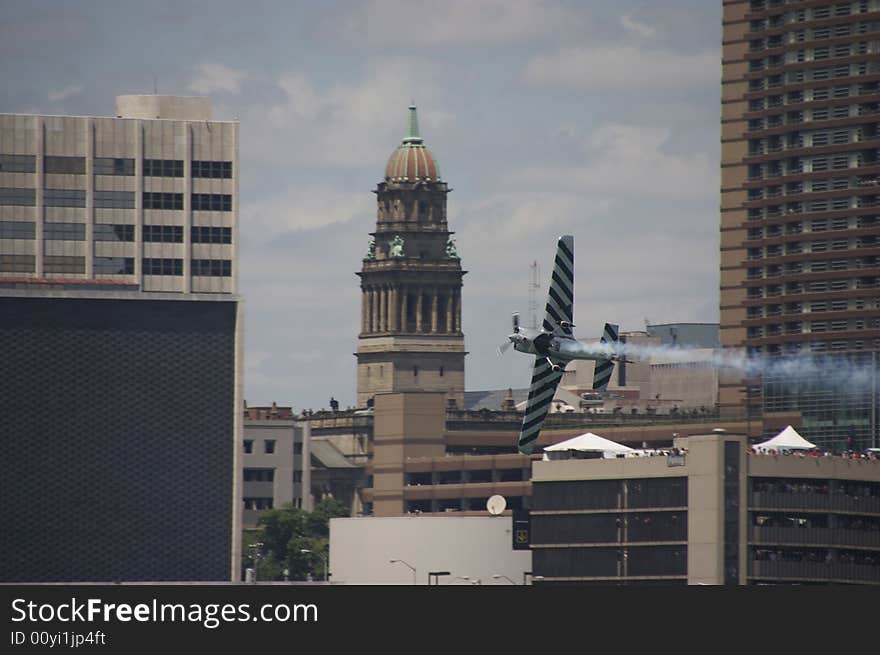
(813,536)
(833,502)
(831,571)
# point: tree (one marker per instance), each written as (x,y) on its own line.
(285,533)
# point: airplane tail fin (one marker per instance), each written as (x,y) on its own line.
(604,367)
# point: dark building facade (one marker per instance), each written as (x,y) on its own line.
(108,473)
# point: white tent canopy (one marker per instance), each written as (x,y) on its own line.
(592,443)
(788,439)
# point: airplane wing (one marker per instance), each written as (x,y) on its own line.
(544,383)
(560,299)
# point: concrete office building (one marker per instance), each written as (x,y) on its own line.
(119,316)
(800,256)
(273,465)
(713,514)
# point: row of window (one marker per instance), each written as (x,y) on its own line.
(817,53)
(805,95)
(804,14)
(114,199)
(117,233)
(798,327)
(814,34)
(114,166)
(113,265)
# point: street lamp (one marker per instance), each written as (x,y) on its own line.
(498,576)
(323,557)
(256,556)
(400,561)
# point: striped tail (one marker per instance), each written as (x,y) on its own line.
(604,367)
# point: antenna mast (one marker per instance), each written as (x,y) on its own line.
(534,277)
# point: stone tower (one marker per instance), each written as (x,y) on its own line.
(411,338)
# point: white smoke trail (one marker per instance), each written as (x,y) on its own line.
(833,370)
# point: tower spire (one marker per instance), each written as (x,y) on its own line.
(412,134)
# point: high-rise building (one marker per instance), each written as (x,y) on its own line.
(800,206)
(411,338)
(121,332)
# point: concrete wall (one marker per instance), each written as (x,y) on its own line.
(473,546)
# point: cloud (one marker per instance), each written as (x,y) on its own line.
(625,68)
(408,24)
(633,26)
(303,208)
(213,78)
(624,160)
(293,121)
(65,93)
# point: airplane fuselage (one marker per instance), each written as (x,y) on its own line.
(558,346)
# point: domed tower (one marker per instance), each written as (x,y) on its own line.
(411,338)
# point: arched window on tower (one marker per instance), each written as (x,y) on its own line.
(423,212)
(441,313)
(415,371)
(441,371)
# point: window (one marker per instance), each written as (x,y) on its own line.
(212,202)
(259,475)
(64,231)
(18,197)
(298,448)
(441,371)
(64,198)
(257,503)
(114,265)
(18,163)
(119,233)
(163,233)
(415,371)
(155,200)
(65,165)
(17,263)
(212,267)
(221,169)
(63,264)
(114,199)
(17,230)
(113,166)
(248,446)
(163,168)
(201,234)
(269,446)
(163,267)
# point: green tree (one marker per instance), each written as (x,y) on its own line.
(285,533)
(318,520)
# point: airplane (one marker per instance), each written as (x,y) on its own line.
(554,346)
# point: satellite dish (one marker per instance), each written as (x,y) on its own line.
(496,504)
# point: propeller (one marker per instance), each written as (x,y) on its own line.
(503,348)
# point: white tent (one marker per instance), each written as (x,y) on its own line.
(788,439)
(589,442)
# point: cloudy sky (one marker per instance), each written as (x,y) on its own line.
(596,118)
